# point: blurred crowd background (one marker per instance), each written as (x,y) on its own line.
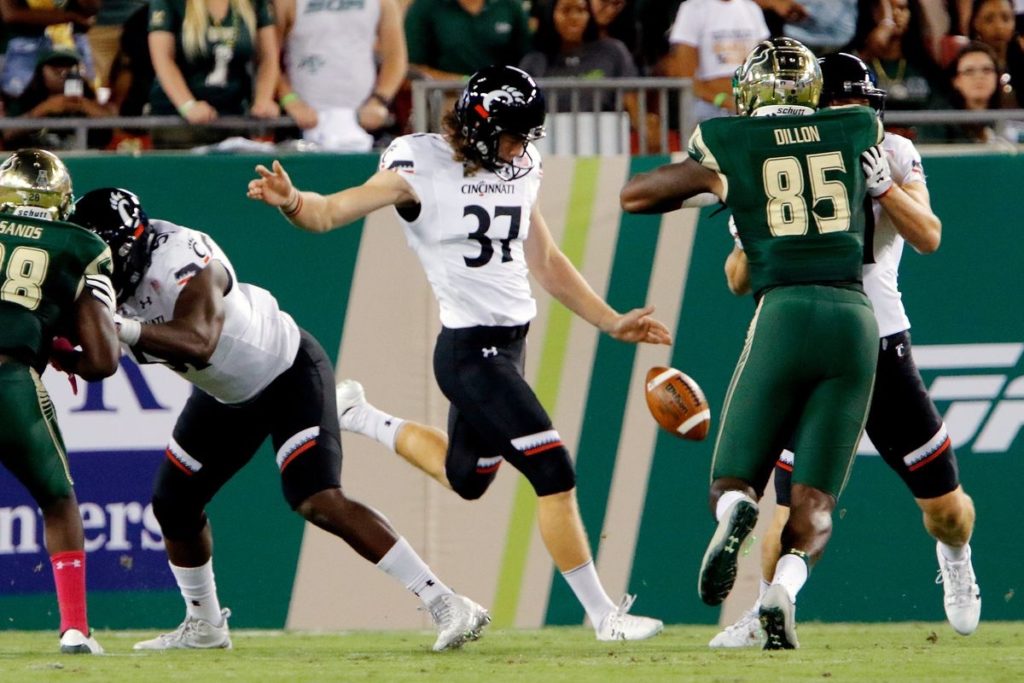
(336,74)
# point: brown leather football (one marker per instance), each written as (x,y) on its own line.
(677,403)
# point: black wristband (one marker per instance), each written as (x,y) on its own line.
(380,98)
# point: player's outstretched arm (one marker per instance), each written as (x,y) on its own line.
(556,274)
(666,188)
(315,212)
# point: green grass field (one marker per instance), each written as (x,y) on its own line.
(840,652)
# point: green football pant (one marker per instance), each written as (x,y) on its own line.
(31,447)
(807,369)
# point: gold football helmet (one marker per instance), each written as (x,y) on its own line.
(780,71)
(36,179)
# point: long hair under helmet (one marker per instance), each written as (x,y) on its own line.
(500,99)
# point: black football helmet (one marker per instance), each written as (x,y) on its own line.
(500,99)
(846,76)
(116,215)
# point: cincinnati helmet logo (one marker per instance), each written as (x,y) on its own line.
(507,94)
(122,205)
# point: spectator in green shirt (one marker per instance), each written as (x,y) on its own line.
(450,39)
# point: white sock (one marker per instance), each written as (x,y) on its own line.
(199,591)
(791,574)
(726,500)
(368,420)
(588,589)
(954,553)
(402,563)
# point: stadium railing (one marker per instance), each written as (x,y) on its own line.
(582,129)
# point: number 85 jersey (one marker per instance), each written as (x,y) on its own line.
(796,190)
(468,232)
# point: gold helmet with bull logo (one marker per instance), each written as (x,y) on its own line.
(780,73)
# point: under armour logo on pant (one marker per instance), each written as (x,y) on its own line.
(493,351)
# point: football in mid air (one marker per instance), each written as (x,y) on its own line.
(677,403)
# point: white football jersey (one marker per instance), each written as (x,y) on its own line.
(259,340)
(469,232)
(881,276)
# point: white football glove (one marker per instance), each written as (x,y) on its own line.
(877,174)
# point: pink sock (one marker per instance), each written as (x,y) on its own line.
(69,577)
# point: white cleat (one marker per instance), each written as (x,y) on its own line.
(962,597)
(458,620)
(192,634)
(74,642)
(746,632)
(350,396)
(621,625)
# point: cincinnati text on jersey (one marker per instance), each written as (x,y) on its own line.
(482,188)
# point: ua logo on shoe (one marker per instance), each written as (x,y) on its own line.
(493,351)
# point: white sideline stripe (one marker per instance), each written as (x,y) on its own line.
(184,458)
(694,421)
(296,441)
(663,377)
(627,495)
(525,443)
(954,356)
(966,387)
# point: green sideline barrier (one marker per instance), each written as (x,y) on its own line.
(880,565)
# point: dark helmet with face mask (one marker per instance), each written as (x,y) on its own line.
(844,77)
(116,215)
(500,99)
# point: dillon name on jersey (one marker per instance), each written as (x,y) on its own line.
(259,341)
(882,273)
(469,232)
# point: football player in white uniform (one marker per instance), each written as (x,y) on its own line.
(903,422)
(468,200)
(255,374)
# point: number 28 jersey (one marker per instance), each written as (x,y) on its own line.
(469,232)
(43,269)
(796,189)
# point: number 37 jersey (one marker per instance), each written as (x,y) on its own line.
(796,190)
(468,233)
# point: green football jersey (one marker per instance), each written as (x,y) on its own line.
(43,265)
(796,190)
